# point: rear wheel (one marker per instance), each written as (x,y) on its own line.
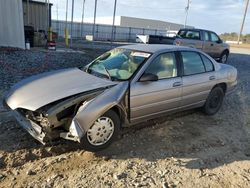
(214,101)
(223,57)
(102,133)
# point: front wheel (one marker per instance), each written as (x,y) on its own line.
(214,101)
(102,133)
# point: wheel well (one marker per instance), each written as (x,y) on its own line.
(225,51)
(116,110)
(122,115)
(223,86)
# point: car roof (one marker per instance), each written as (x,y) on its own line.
(153,48)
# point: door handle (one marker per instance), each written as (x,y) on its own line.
(176,84)
(211,77)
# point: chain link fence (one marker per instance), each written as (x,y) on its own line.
(103,32)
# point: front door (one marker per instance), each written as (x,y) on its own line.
(152,98)
(212,44)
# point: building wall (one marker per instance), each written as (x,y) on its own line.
(11,23)
(149,24)
(125,21)
(104,20)
(38,15)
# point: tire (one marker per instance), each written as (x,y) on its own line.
(224,57)
(109,118)
(214,101)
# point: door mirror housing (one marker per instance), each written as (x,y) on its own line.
(146,77)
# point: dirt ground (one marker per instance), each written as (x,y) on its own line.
(188,149)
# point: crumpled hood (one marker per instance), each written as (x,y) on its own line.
(42,89)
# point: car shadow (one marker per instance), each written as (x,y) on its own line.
(199,141)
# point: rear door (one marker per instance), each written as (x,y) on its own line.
(149,99)
(190,38)
(198,78)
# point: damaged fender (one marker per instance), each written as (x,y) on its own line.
(93,109)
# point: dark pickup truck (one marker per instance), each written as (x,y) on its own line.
(207,41)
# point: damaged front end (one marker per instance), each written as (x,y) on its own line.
(71,117)
(54,120)
(34,128)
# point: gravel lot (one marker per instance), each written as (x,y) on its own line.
(187,149)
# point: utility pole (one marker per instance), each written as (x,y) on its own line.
(83,6)
(112,34)
(66,32)
(243,21)
(71,25)
(93,29)
(186,9)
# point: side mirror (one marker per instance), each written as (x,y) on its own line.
(146,77)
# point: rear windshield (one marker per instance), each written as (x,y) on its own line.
(189,34)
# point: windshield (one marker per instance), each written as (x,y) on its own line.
(117,64)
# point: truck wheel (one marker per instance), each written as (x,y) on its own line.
(223,57)
(214,101)
(102,133)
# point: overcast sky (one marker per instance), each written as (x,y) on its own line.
(218,15)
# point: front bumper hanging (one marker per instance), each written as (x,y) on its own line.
(34,129)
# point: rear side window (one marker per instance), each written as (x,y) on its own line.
(192,63)
(208,64)
(189,34)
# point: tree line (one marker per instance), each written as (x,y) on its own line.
(234,37)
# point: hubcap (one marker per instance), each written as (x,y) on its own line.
(101,131)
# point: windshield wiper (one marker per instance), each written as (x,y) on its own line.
(107,72)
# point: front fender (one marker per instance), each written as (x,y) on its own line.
(100,104)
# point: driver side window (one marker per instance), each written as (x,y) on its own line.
(164,66)
(214,37)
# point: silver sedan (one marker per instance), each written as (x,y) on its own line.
(124,86)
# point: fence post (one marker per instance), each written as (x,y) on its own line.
(129,34)
(97,27)
(143,30)
(156,32)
